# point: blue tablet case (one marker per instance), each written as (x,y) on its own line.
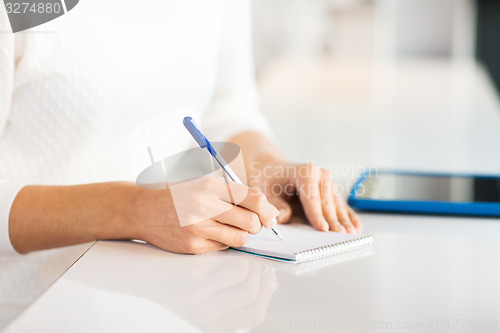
(424,207)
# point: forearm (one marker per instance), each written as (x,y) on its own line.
(258,152)
(45,217)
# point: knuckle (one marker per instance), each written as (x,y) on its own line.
(345,219)
(191,247)
(240,239)
(254,192)
(260,201)
(312,169)
(253,222)
(327,202)
(342,207)
(341,216)
(258,197)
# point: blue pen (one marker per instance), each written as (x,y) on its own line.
(226,170)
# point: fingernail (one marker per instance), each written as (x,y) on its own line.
(273,223)
(351,230)
(276,211)
(281,215)
(325,226)
(337,227)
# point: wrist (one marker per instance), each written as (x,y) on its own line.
(267,168)
(120,219)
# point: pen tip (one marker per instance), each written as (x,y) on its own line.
(277,233)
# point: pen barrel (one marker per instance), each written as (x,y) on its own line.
(226,169)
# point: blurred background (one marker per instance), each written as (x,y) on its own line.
(367,30)
(362,73)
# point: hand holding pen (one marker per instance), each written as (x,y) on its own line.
(224,168)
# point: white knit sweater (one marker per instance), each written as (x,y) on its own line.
(73,91)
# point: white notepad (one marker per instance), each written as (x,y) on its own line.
(303,243)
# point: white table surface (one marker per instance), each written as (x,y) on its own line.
(426,273)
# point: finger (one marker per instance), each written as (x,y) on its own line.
(225,234)
(241,218)
(283,207)
(200,246)
(250,198)
(327,201)
(257,202)
(309,194)
(356,221)
(343,215)
(212,246)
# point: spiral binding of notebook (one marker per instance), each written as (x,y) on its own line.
(334,249)
(312,266)
(303,243)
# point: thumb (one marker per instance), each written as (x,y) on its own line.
(283,207)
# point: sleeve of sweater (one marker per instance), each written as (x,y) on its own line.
(8,189)
(234,106)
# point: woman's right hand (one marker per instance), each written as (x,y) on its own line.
(197,216)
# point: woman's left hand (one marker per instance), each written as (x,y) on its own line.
(323,206)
